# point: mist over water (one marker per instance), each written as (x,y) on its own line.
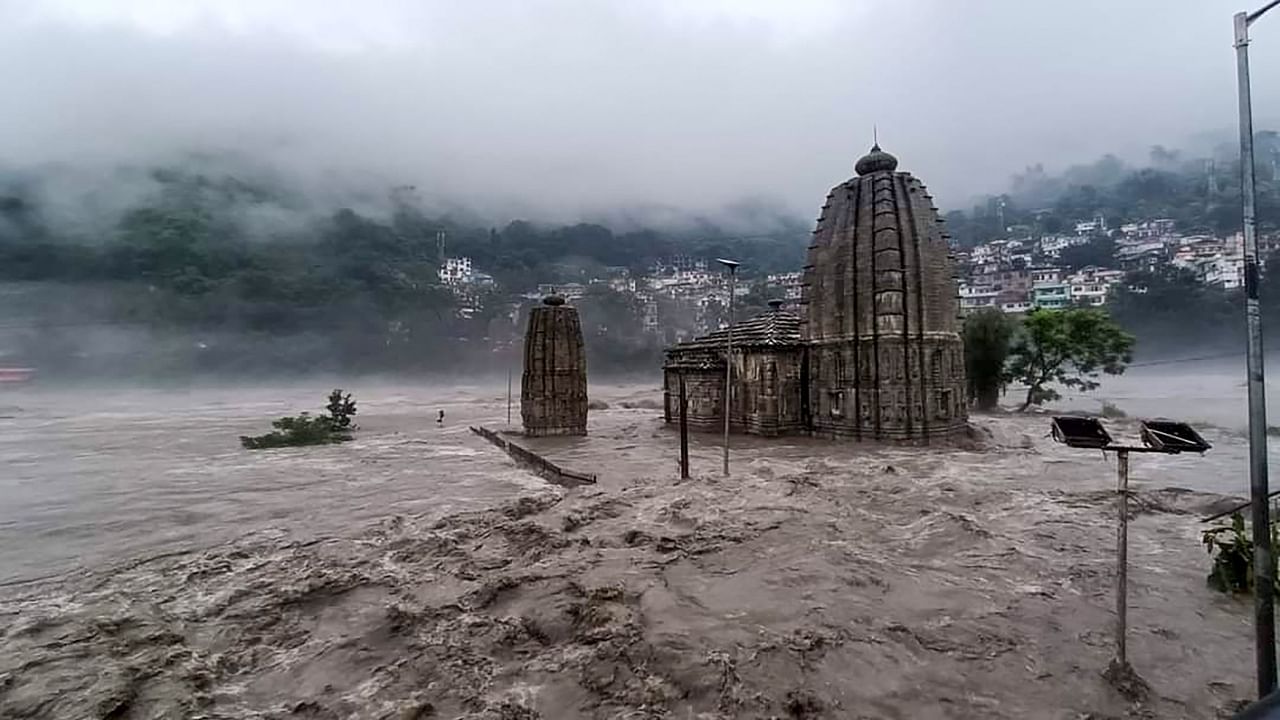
(98,475)
(1207,392)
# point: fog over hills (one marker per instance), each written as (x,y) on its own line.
(565,109)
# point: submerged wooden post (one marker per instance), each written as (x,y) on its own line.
(684,432)
(1122,558)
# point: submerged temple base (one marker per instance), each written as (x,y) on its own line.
(873,353)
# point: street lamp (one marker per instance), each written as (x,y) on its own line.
(1264,591)
(732,265)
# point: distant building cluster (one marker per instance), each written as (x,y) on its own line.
(1018,274)
(681,297)
(468,285)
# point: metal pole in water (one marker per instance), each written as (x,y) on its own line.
(684,432)
(728,374)
(728,359)
(508,395)
(1264,582)
(1122,558)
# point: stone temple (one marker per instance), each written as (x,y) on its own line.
(553,386)
(874,352)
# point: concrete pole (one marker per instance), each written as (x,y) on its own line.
(684,431)
(1122,558)
(728,367)
(1264,581)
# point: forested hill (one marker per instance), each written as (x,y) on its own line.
(1199,191)
(261,276)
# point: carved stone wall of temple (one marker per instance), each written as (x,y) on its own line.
(553,385)
(767,363)
(874,353)
(880,312)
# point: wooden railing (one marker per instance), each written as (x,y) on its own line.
(548,470)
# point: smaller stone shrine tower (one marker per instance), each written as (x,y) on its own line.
(553,387)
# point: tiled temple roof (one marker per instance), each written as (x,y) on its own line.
(773,328)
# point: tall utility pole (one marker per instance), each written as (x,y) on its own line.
(684,430)
(1264,582)
(732,265)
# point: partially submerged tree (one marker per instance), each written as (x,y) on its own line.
(986,347)
(1069,348)
(341,408)
(306,429)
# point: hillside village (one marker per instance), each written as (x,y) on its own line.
(1016,275)
(681,297)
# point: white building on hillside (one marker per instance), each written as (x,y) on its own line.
(1224,271)
(790,285)
(456,271)
(1096,225)
(568,291)
(1046,276)
(977,297)
(1159,227)
(1053,245)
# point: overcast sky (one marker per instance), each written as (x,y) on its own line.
(567,107)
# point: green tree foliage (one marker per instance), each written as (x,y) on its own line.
(986,347)
(301,430)
(1067,347)
(308,429)
(341,409)
(1231,546)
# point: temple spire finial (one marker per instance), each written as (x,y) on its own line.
(876,160)
(875,137)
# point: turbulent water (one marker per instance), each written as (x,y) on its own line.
(153,568)
(93,476)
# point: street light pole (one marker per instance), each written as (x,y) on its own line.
(1264,582)
(732,265)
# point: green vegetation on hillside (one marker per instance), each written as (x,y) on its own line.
(206,254)
(1200,193)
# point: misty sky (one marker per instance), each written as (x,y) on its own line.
(564,107)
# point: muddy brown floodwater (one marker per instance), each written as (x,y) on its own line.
(153,569)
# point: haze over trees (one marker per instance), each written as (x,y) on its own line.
(245,273)
(1201,193)
(1169,311)
(212,264)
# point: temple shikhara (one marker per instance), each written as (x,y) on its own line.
(874,352)
(553,386)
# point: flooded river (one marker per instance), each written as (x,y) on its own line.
(417,572)
(94,475)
